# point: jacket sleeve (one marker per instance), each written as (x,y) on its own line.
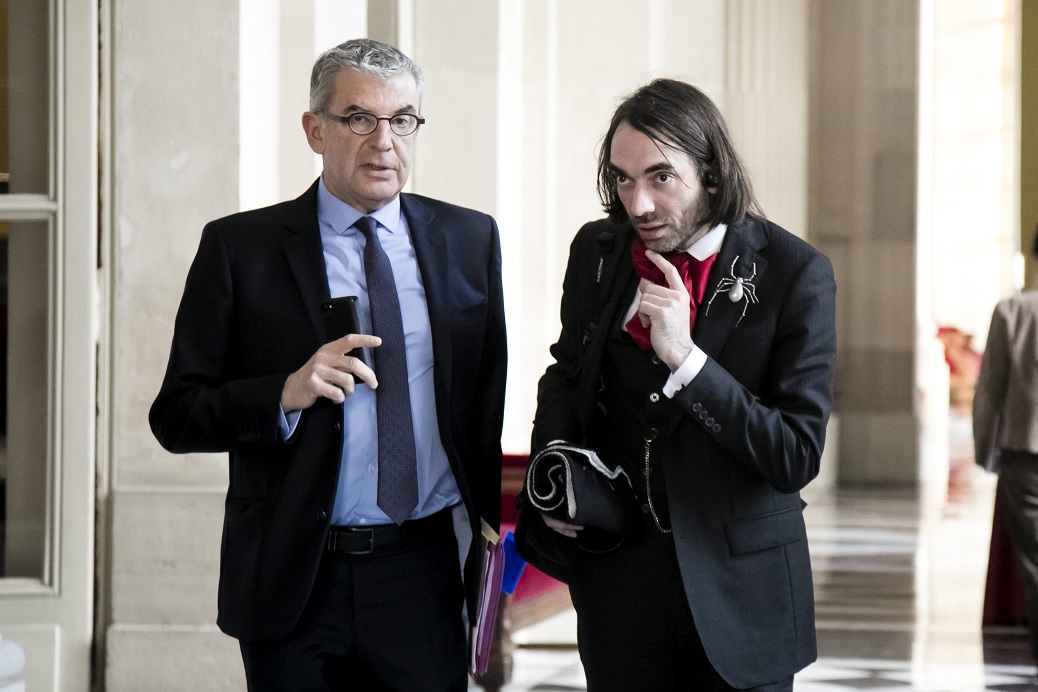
(990,394)
(779,432)
(201,405)
(487,416)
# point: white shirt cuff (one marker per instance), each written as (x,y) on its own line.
(694,362)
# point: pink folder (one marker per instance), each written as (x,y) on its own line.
(489,595)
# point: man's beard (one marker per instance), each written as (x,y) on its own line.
(683,232)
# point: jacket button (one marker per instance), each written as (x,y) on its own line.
(654,397)
(322,515)
(655,360)
(697,407)
(336,426)
(703,415)
(645,508)
(717,427)
(709,422)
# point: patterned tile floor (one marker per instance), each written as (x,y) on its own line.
(899,585)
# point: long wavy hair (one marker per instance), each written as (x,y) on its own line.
(678,115)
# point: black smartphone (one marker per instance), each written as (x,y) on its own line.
(341,318)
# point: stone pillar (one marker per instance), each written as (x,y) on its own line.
(766,106)
(862,214)
(174,157)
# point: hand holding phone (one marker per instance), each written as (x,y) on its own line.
(340,318)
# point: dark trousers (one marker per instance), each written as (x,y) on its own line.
(634,628)
(391,620)
(1018,486)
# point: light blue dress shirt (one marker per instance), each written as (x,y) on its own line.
(355,496)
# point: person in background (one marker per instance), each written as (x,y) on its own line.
(354,487)
(697,353)
(1005,426)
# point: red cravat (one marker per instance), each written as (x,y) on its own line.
(694,274)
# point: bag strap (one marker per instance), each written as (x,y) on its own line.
(611,245)
(605,242)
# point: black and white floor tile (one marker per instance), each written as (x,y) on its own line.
(899,585)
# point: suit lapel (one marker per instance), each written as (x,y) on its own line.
(737,258)
(305,255)
(430,247)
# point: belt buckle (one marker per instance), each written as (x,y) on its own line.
(335,545)
(371,542)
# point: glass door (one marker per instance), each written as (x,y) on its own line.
(48,288)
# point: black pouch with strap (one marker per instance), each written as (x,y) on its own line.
(545,549)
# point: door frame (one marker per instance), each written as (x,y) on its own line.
(51,618)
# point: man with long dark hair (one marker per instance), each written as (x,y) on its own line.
(697,354)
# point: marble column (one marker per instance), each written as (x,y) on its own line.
(863,74)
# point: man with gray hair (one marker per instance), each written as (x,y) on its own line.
(347,349)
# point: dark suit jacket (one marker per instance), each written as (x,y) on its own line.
(743,437)
(249,318)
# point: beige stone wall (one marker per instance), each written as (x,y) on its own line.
(174,152)
(766,102)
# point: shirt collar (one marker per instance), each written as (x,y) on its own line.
(341,216)
(710,244)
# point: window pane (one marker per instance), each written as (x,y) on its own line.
(24,319)
(24,97)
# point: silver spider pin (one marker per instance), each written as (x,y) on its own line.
(738,289)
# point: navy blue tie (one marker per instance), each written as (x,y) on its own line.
(397,466)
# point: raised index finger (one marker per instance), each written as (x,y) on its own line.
(670,272)
(351,341)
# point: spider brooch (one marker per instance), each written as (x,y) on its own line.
(738,289)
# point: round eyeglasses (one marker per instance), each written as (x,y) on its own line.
(364,123)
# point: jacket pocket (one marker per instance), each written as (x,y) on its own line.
(768,531)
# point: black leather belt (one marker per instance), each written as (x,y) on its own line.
(364,540)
